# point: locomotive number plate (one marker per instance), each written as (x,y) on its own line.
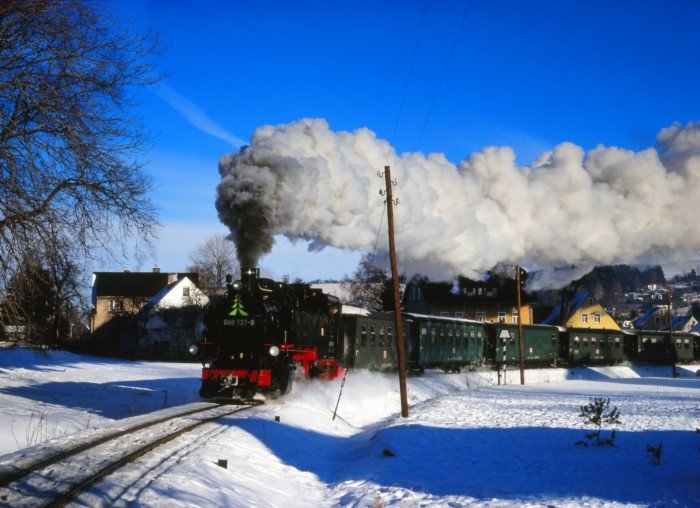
(239,322)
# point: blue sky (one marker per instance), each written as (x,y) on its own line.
(448,76)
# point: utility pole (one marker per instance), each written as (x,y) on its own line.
(395,278)
(520,325)
(672,347)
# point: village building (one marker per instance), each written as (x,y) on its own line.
(581,311)
(146,314)
(480,301)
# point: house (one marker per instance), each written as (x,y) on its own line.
(118,298)
(654,318)
(168,324)
(493,301)
(581,311)
(683,323)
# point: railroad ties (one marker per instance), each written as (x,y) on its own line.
(58,474)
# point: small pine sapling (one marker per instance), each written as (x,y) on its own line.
(597,413)
(655,452)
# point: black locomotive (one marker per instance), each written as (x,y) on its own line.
(262,333)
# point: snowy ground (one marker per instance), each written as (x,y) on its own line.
(467,441)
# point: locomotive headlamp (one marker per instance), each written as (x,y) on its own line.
(194,349)
(274,351)
(237,285)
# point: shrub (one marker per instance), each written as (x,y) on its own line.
(655,453)
(597,413)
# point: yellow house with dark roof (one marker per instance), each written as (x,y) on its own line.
(581,311)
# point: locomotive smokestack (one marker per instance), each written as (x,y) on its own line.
(249,277)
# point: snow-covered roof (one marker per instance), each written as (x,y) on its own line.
(576,302)
(641,320)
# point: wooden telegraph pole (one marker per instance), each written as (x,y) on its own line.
(397,301)
(520,325)
(672,347)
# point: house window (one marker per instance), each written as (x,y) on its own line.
(501,317)
(481,316)
(116,305)
(459,314)
(170,315)
(657,320)
(584,318)
(596,318)
(186,291)
(514,317)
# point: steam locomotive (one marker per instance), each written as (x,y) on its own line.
(264,333)
(261,332)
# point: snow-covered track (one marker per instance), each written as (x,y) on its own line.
(55,476)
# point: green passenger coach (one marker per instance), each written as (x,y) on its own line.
(540,344)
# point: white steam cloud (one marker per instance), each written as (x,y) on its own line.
(609,206)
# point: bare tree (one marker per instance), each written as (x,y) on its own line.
(69,149)
(369,285)
(212,260)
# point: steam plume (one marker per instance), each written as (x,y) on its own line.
(609,206)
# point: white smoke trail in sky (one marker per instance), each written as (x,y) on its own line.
(611,205)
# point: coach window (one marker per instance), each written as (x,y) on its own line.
(372,335)
(381,335)
(585,342)
(433,336)
(363,339)
(423,335)
(389,335)
(617,342)
(442,336)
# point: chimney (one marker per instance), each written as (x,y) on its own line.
(127,270)
(172,277)
(156,269)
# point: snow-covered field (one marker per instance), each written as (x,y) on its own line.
(467,441)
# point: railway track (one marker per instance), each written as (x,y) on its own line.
(56,477)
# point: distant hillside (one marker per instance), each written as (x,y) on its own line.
(608,284)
